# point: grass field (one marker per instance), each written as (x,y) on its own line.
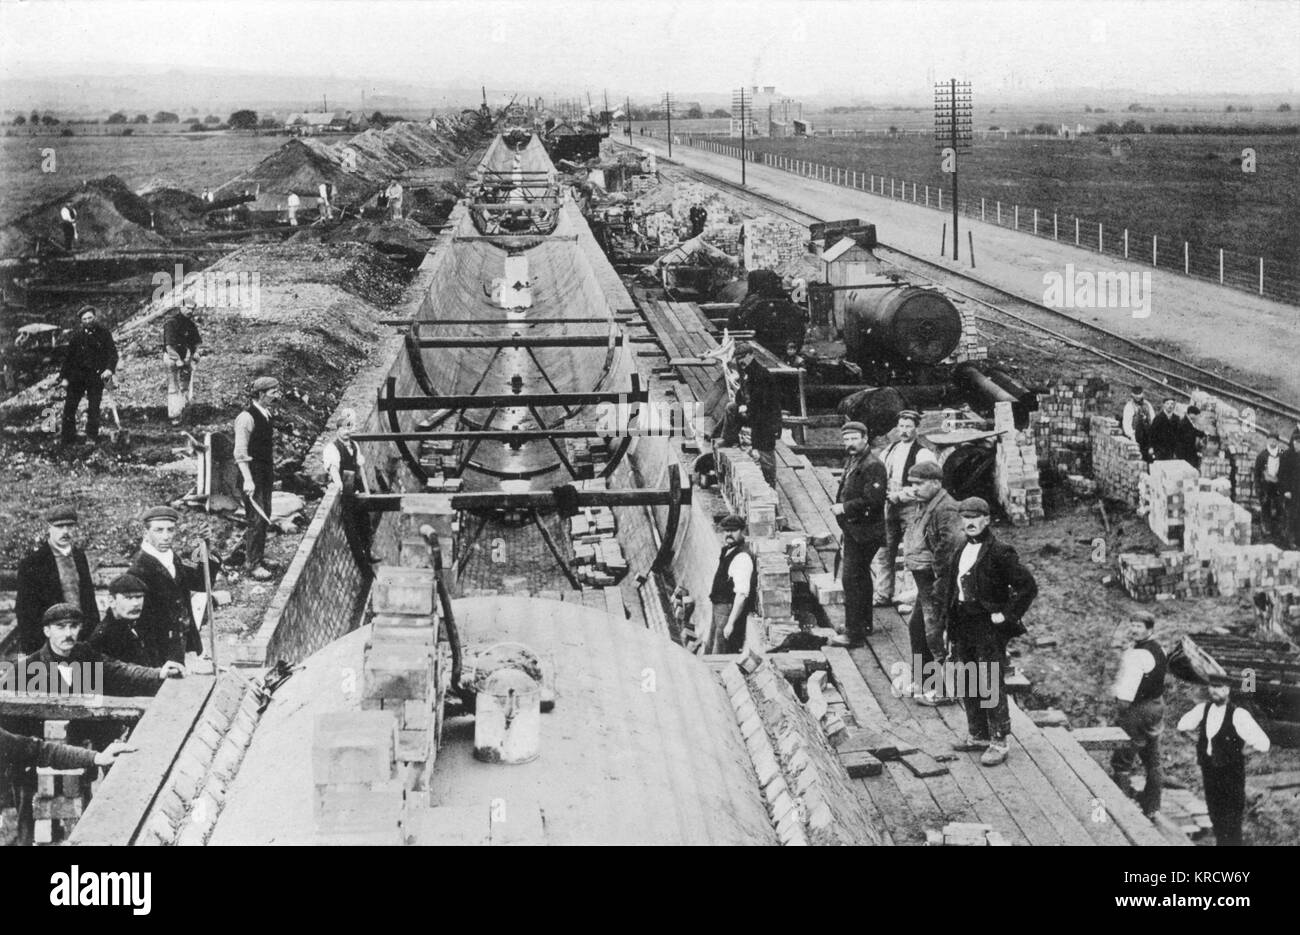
(181,160)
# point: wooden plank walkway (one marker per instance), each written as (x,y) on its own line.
(1049,792)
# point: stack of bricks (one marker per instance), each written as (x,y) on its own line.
(1212,521)
(1164,490)
(402,671)
(597,556)
(1171,574)
(774,596)
(829,593)
(587,455)
(969,347)
(771,243)
(1253,568)
(1061,429)
(1218,466)
(60,794)
(956,420)
(1240,441)
(747,492)
(440,456)
(358,797)
(1016,469)
(1117,463)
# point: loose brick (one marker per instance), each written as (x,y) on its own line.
(354,747)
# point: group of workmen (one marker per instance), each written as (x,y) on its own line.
(142,639)
(90,365)
(972,593)
(1168,436)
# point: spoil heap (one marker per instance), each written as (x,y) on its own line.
(108,215)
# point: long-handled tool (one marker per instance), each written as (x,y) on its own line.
(212,611)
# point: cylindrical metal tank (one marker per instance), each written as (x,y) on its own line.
(902,323)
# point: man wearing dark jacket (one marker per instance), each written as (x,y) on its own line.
(255,458)
(1165,434)
(1272,505)
(860,509)
(931,539)
(1288,482)
(732,594)
(988,593)
(56,573)
(118,634)
(63,653)
(88,366)
(181,350)
(166,625)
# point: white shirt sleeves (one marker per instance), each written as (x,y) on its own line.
(1134,664)
(1247,727)
(741,572)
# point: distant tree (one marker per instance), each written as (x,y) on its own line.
(1135,108)
(1110,126)
(243,120)
(1099,110)
(1133,126)
(211,118)
(164,116)
(128,131)
(140,118)
(893,130)
(1168,129)
(66,131)
(1087,109)
(269,123)
(35,118)
(694,113)
(721,112)
(118,117)
(1044,129)
(1284,108)
(1229,109)
(192,120)
(20,120)
(49,120)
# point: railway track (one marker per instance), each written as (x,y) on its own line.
(1149,363)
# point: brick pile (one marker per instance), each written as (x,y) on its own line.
(587,455)
(1170,574)
(357,795)
(598,558)
(1061,428)
(829,593)
(1211,521)
(1117,464)
(1241,441)
(771,243)
(1016,469)
(747,493)
(807,792)
(1163,491)
(971,346)
(60,795)
(1252,568)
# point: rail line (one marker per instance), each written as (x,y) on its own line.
(1152,364)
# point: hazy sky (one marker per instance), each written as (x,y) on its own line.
(847,46)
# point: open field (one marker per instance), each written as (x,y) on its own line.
(178,160)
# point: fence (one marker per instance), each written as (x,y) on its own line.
(1211,264)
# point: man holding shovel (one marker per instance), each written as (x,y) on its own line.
(255,458)
(181,341)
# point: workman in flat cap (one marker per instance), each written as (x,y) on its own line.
(255,458)
(732,594)
(166,623)
(1140,693)
(118,634)
(860,509)
(989,592)
(58,572)
(900,503)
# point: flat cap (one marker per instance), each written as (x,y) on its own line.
(262,384)
(973,506)
(160,512)
(731,523)
(57,613)
(925,470)
(910,414)
(1214,678)
(1141,616)
(64,514)
(127,584)
(858,427)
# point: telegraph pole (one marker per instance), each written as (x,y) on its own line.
(668,107)
(952,137)
(739,101)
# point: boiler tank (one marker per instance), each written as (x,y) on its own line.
(903,323)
